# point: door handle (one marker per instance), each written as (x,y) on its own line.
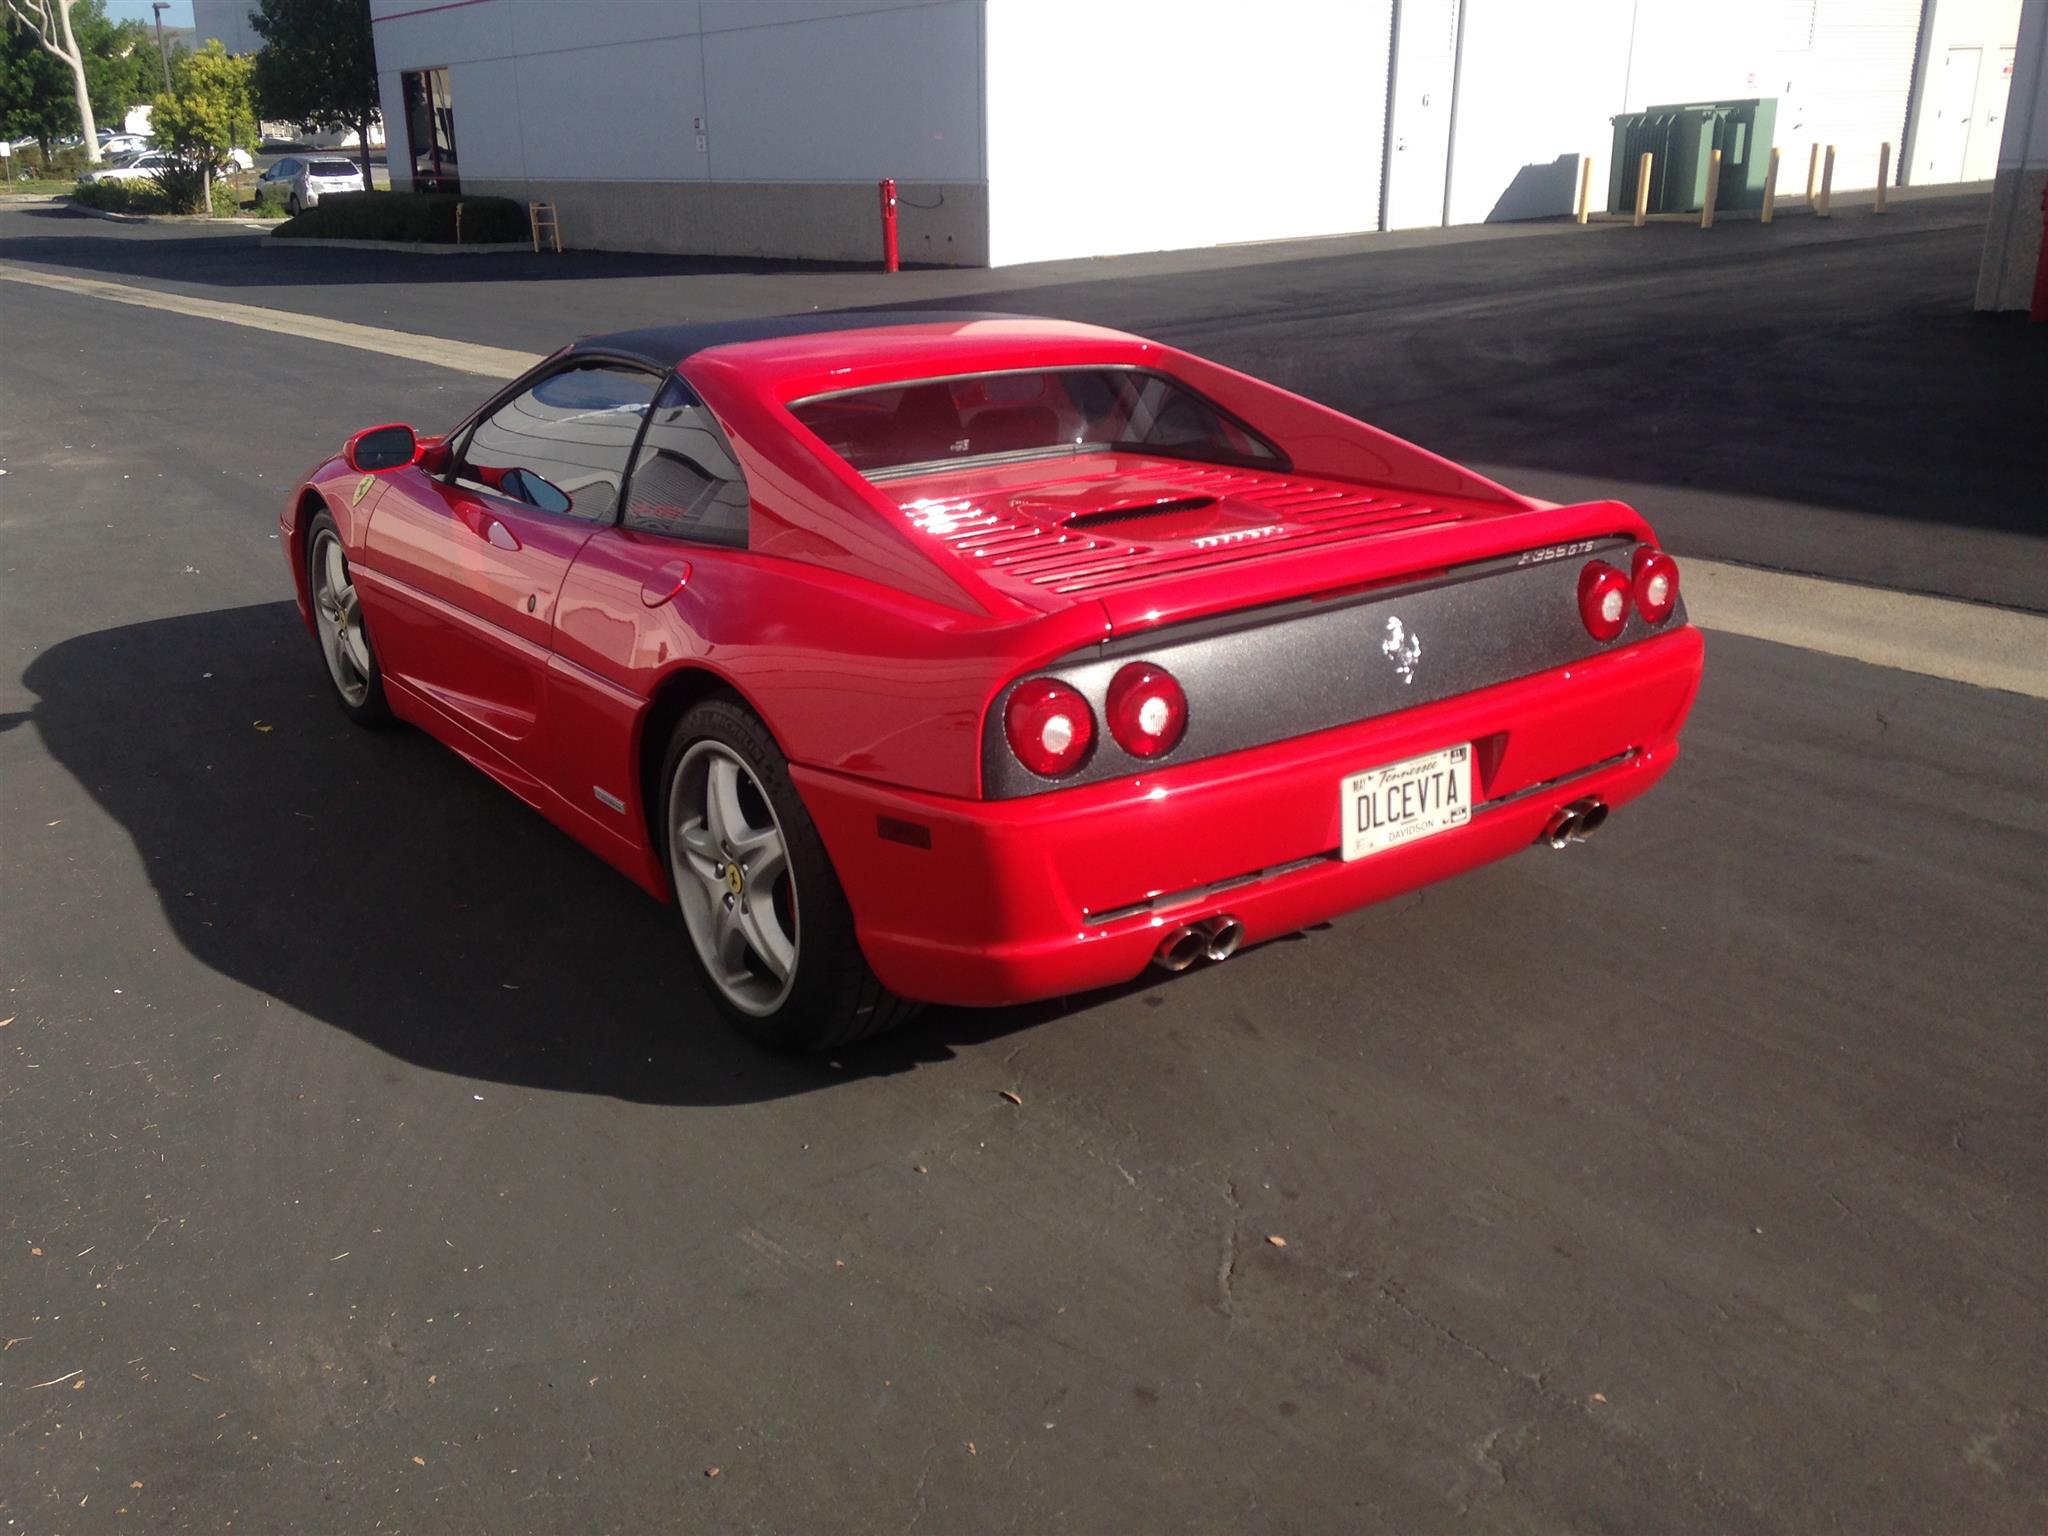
(477,518)
(664,583)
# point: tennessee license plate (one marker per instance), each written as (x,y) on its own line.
(1403,802)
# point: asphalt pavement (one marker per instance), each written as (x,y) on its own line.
(1812,396)
(370,1161)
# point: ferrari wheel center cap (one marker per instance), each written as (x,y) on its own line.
(735,879)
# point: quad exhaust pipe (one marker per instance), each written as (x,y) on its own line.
(1575,823)
(1214,938)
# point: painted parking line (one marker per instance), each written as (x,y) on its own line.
(1933,636)
(461,356)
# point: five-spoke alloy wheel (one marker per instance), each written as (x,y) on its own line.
(732,878)
(767,919)
(338,620)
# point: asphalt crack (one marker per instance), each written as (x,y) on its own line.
(1226,1264)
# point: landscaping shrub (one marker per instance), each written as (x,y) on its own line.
(408,216)
(182,186)
(122,196)
(226,201)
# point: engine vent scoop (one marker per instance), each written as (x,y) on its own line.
(1137,511)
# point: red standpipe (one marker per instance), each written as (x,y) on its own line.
(889,226)
(2039,311)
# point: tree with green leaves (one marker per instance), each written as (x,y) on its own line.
(211,109)
(36,96)
(122,66)
(35,92)
(318,66)
(49,22)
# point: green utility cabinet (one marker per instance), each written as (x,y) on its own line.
(1682,140)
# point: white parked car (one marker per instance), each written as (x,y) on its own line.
(127,144)
(134,167)
(240,160)
(300,181)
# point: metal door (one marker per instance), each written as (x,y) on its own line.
(1419,140)
(1955,105)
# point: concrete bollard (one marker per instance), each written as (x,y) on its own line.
(1585,186)
(1713,190)
(1643,188)
(1812,173)
(1771,186)
(1884,174)
(1827,184)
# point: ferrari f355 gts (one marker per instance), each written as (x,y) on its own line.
(971,660)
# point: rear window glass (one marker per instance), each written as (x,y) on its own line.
(332,168)
(907,427)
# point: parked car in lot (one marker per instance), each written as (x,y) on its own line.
(127,144)
(981,659)
(298,182)
(133,167)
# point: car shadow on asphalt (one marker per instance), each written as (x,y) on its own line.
(374,882)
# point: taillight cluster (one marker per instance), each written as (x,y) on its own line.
(1052,729)
(1605,592)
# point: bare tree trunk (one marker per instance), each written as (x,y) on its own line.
(76,60)
(363,148)
(50,20)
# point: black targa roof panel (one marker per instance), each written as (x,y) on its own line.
(666,345)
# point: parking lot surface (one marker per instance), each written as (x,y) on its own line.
(369,1159)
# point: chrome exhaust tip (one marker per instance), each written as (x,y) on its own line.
(1575,823)
(1181,948)
(1223,935)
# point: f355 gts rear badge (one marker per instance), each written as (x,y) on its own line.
(1401,648)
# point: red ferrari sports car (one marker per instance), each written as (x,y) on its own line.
(975,659)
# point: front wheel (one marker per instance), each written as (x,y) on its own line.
(767,920)
(338,621)
(291,205)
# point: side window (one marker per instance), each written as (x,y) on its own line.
(562,445)
(686,482)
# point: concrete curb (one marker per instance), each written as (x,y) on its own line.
(160,218)
(1934,636)
(417,248)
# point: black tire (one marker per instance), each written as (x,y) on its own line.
(830,997)
(357,683)
(291,205)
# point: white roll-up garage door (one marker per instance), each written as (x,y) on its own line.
(1845,75)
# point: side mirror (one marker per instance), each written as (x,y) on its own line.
(524,485)
(378,448)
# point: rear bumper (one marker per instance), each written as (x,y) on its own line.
(997,902)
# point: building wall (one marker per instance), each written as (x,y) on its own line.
(2013,235)
(1136,125)
(727,127)
(1966,66)
(227,20)
(1541,84)
(1024,130)
(1538,87)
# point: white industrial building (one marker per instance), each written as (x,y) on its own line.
(1023,130)
(226,21)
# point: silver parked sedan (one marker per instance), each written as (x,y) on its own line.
(299,182)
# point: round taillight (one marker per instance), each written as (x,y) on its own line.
(1603,600)
(1147,711)
(1049,725)
(1656,584)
